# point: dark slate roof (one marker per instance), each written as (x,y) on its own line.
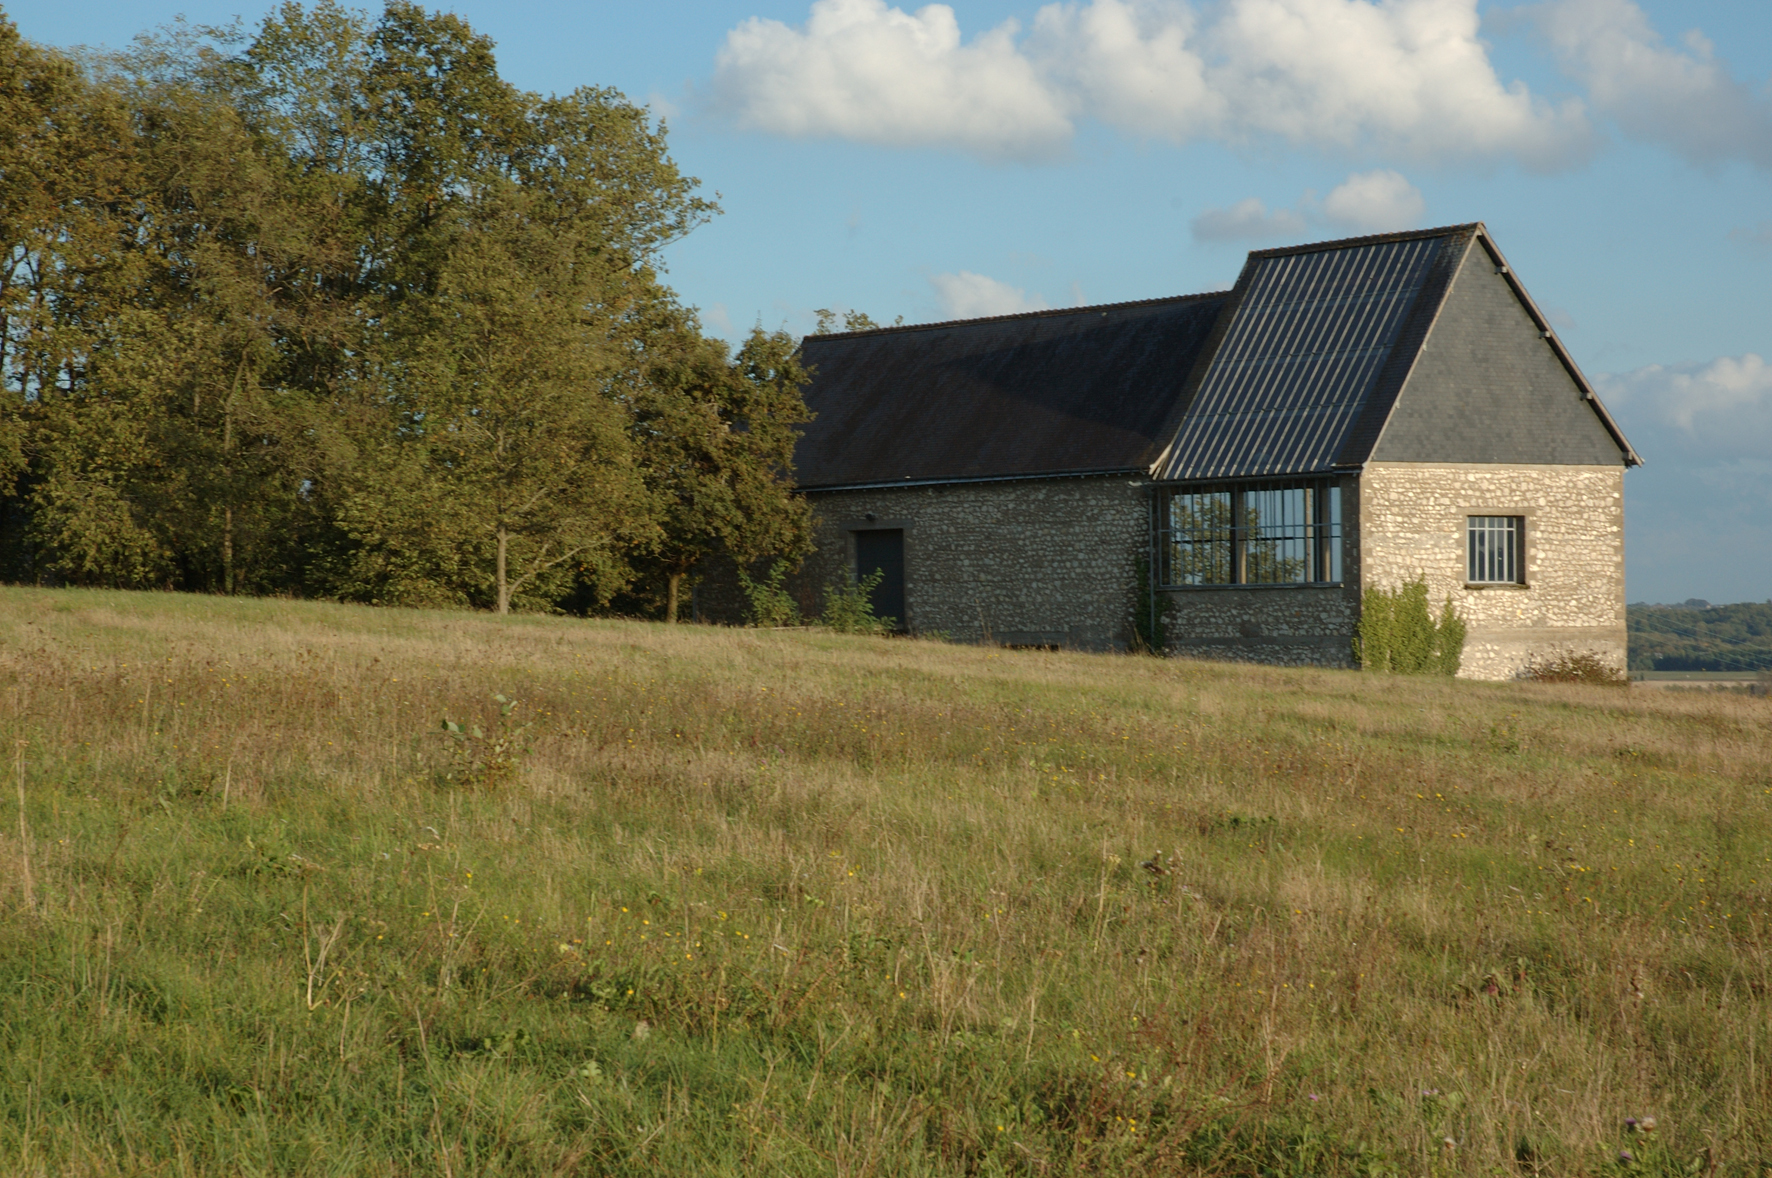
(1305,347)
(1294,371)
(1048,392)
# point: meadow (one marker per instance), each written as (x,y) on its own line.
(705,901)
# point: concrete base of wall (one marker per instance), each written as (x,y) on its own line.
(1499,654)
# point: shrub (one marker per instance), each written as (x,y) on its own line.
(770,602)
(1398,632)
(1571,666)
(848,608)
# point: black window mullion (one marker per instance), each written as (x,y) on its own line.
(1239,528)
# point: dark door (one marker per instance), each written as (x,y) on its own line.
(882,551)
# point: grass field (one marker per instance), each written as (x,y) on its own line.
(760,903)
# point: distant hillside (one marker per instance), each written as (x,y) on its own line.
(1699,637)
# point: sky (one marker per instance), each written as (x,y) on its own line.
(990,156)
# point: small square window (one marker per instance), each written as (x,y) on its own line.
(1496,550)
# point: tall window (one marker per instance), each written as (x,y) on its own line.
(1494,548)
(1260,534)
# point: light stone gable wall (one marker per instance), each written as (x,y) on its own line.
(1040,562)
(1413,524)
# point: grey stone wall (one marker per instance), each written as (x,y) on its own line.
(1414,521)
(1028,562)
(1293,625)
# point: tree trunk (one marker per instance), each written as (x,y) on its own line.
(228,479)
(228,551)
(504,584)
(673,594)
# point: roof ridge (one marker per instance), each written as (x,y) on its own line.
(888,329)
(1341,243)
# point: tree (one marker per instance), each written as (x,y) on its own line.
(142,375)
(716,438)
(826,321)
(523,466)
(340,310)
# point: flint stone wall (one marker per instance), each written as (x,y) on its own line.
(1291,625)
(1032,562)
(1414,525)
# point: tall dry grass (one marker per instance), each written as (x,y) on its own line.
(790,902)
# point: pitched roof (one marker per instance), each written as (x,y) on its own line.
(1294,371)
(1307,341)
(1048,392)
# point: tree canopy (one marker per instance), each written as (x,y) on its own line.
(333,309)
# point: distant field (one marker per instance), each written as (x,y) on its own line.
(763,903)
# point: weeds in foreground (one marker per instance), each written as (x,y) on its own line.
(771,902)
(1575,666)
(487,758)
(768,601)
(849,606)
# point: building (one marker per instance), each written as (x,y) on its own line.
(1352,414)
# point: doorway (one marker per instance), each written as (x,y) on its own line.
(882,551)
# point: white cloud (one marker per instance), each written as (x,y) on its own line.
(1131,65)
(1698,511)
(1720,409)
(1247,220)
(860,70)
(1366,202)
(1410,76)
(1682,98)
(973,296)
(1407,76)
(1374,202)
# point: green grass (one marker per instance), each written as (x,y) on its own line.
(761,903)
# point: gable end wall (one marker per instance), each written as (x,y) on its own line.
(1414,519)
(1487,387)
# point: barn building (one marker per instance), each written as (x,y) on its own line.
(1352,414)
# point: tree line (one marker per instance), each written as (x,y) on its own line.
(1700,637)
(332,309)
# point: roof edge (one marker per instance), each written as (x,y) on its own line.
(944,481)
(1049,312)
(1549,334)
(1342,243)
(1362,442)
(1170,432)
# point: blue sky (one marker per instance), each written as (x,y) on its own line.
(995,155)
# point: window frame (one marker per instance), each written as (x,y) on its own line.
(1515,555)
(1321,531)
